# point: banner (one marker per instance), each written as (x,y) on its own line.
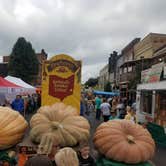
(61,81)
(152,74)
(155,73)
(145,75)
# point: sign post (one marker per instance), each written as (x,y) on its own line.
(61,81)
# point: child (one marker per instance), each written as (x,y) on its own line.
(22,156)
(131,115)
(84,156)
(113,115)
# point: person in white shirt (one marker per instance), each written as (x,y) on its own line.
(105,109)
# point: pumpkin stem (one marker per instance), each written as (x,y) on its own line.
(55,125)
(130,139)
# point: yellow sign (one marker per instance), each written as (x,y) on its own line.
(61,81)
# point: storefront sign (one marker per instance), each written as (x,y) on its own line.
(152,74)
(155,73)
(145,75)
(61,81)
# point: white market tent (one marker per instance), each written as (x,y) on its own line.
(26,88)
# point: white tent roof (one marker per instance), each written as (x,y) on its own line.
(19,82)
(152,86)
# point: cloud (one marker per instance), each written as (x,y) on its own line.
(88,30)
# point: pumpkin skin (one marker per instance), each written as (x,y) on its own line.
(60,123)
(12,127)
(122,140)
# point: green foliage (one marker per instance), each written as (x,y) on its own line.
(91,82)
(108,87)
(23,61)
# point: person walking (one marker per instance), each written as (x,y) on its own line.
(105,109)
(97,106)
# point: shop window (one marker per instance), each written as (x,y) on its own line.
(130,69)
(146,102)
(120,71)
(125,70)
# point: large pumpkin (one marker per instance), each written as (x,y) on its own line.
(60,123)
(122,140)
(12,127)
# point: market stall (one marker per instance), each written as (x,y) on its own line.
(8,90)
(151,103)
(26,88)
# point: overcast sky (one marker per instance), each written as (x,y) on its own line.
(88,30)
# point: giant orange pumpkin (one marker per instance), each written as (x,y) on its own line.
(122,140)
(12,127)
(60,123)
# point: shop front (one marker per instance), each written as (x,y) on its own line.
(151,103)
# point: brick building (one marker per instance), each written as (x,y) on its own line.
(41,58)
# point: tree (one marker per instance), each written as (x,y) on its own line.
(23,62)
(91,82)
(108,87)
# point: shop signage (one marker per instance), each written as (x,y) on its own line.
(152,74)
(155,73)
(61,81)
(145,75)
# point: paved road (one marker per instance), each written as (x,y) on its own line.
(160,155)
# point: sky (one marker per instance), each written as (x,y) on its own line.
(87,30)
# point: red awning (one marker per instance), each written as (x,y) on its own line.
(5,83)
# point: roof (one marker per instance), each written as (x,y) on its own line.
(133,62)
(130,45)
(106,93)
(152,86)
(18,82)
(6,83)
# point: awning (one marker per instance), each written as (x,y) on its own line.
(19,82)
(106,93)
(7,84)
(152,86)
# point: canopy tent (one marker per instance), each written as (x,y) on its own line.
(19,82)
(8,90)
(5,83)
(106,93)
(26,88)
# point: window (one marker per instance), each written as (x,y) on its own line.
(146,102)
(130,69)
(120,71)
(125,70)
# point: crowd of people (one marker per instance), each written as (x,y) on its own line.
(59,156)
(108,108)
(26,103)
